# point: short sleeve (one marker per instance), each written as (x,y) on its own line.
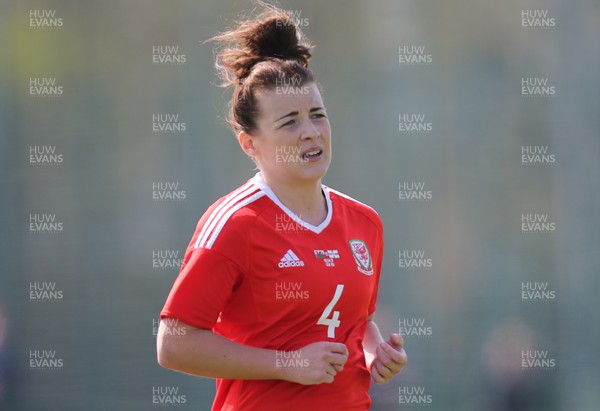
(378,252)
(202,288)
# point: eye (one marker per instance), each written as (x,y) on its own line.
(288,123)
(319,115)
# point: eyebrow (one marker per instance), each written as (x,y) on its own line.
(295,113)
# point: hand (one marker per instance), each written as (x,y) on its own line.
(389,360)
(315,363)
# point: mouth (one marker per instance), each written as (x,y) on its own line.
(313,154)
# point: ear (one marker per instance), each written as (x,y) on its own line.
(247,143)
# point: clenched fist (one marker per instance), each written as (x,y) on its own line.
(318,363)
(389,359)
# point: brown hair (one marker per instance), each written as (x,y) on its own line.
(257,54)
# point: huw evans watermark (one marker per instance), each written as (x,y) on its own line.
(166,259)
(414,395)
(537,19)
(286,224)
(537,291)
(537,155)
(290,291)
(44,19)
(413,191)
(537,360)
(45,360)
(45,87)
(165,395)
(537,87)
(290,154)
(414,123)
(413,55)
(45,156)
(164,123)
(290,85)
(296,16)
(290,359)
(172,327)
(414,327)
(45,223)
(414,259)
(537,223)
(167,191)
(44,291)
(168,55)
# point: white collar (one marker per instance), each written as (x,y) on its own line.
(260,183)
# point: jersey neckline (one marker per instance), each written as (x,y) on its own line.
(262,185)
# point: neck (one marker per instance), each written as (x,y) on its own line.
(305,200)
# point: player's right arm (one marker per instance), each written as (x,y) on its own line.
(215,267)
(201,352)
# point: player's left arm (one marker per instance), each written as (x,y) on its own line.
(384,359)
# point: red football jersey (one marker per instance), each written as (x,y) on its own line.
(257,274)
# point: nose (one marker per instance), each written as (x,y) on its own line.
(309,130)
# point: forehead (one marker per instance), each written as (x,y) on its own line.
(279,101)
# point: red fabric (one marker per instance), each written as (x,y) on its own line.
(232,283)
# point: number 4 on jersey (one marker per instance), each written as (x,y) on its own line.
(333,322)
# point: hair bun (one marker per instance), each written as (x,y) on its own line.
(271,35)
(279,37)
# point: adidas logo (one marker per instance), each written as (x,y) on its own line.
(290,260)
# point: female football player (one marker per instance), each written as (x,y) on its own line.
(277,291)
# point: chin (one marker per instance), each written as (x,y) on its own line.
(314,172)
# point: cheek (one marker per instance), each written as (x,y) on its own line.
(326,131)
(327,137)
(328,125)
(270,143)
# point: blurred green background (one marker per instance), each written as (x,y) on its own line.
(469,299)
